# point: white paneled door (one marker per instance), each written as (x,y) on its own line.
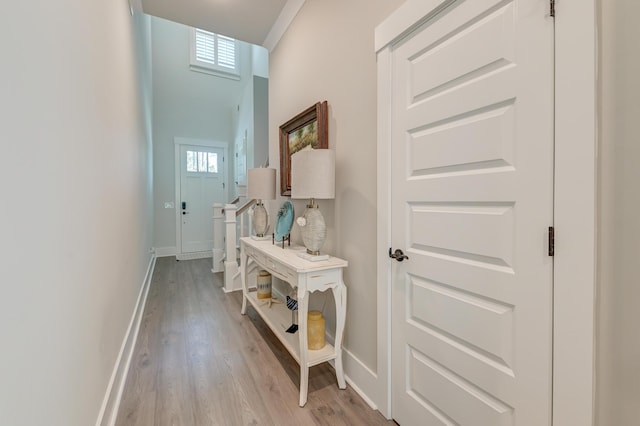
(472,200)
(202,183)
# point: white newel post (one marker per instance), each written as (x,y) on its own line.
(218,238)
(230,262)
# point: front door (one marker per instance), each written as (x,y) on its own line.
(202,183)
(472,200)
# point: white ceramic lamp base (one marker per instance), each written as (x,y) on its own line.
(314,233)
(260,222)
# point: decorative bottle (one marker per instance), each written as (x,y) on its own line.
(264,285)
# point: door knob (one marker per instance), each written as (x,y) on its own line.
(398,255)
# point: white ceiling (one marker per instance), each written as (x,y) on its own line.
(246,20)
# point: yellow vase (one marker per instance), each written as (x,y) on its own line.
(315,330)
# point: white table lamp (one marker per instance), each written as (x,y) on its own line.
(313,177)
(261,185)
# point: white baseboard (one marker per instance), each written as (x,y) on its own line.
(360,377)
(173,251)
(195,255)
(111,403)
(165,251)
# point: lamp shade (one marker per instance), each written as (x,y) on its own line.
(261,184)
(313,174)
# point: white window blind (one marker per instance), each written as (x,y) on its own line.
(215,52)
(205,46)
(226,52)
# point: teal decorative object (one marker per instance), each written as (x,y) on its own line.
(284,221)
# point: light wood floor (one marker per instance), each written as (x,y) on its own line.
(197,361)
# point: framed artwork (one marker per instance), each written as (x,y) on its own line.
(307,129)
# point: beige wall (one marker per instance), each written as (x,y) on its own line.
(328,54)
(75,178)
(618,351)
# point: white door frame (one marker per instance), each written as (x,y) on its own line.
(178,142)
(575,205)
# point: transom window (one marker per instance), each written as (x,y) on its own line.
(214,54)
(202,162)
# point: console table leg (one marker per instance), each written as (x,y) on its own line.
(243,310)
(340,297)
(303,309)
(304,384)
(243,277)
(340,374)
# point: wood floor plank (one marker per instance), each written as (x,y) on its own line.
(136,406)
(198,361)
(174,390)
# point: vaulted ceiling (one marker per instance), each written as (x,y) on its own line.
(246,20)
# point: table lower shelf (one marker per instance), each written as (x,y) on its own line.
(278,318)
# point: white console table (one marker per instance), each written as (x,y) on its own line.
(307,277)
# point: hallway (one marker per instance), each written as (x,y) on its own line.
(197,361)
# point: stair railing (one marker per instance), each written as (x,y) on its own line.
(236,223)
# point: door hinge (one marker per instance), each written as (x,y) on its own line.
(552,8)
(552,241)
(222,185)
